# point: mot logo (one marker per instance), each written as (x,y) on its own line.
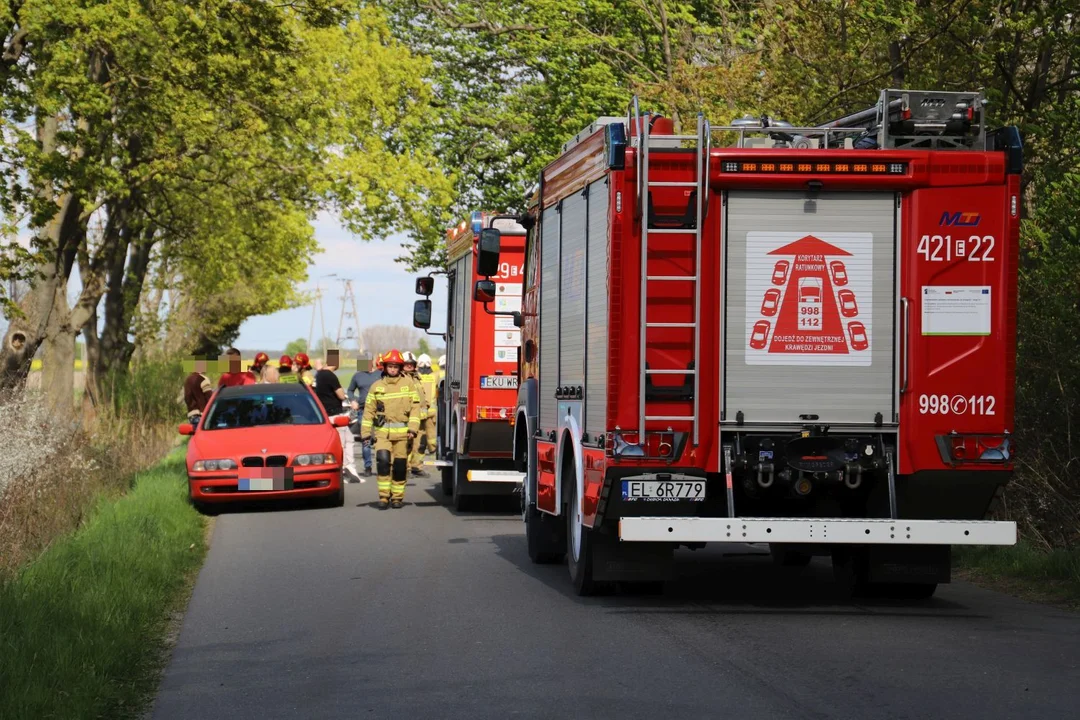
(960,219)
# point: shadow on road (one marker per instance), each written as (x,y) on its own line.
(483,507)
(733,580)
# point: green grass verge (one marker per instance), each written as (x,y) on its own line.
(82,628)
(1023,570)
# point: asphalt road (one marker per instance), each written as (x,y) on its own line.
(422,613)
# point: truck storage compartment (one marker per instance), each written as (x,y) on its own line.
(810,310)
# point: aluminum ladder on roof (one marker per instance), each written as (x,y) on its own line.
(701,143)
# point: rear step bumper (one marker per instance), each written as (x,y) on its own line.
(501,476)
(874,531)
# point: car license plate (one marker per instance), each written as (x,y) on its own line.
(498,382)
(663,490)
(255,484)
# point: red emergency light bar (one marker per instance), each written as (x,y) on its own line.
(815,167)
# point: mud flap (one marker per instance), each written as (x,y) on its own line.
(615,561)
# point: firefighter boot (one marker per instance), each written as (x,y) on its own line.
(382,466)
(401,466)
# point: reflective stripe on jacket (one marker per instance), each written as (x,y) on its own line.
(400,404)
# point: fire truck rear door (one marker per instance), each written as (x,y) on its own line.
(825,350)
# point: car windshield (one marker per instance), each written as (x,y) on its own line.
(267,408)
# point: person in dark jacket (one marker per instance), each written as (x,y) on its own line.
(358,389)
(197,392)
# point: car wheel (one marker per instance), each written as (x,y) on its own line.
(338,498)
(204,508)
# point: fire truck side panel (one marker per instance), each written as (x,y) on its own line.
(596,316)
(571,318)
(810,307)
(457,349)
(549,310)
(960,262)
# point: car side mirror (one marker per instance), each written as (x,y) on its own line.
(186,429)
(340,420)
(487,252)
(425,286)
(519,319)
(421,314)
(485,291)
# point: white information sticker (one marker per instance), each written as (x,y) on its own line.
(504,288)
(508,337)
(507,303)
(504,322)
(506,354)
(955,310)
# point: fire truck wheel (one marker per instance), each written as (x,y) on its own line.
(462,502)
(447,481)
(543,537)
(579,548)
(788,558)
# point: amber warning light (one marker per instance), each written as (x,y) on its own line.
(819,168)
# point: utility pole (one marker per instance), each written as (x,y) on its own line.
(316,303)
(352,331)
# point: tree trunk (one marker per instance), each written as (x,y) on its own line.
(58,359)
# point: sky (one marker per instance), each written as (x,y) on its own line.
(383,289)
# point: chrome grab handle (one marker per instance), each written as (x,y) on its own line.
(905,329)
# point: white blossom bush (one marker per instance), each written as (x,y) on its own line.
(29,440)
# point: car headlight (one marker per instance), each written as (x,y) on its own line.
(212,465)
(314,459)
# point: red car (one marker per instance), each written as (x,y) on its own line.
(857,333)
(839,272)
(760,335)
(848,306)
(779,273)
(267,441)
(771,302)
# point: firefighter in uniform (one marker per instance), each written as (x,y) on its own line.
(302,368)
(415,456)
(429,384)
(285,370)
(392,418)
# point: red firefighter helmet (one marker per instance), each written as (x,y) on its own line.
(285,362)
(393,358)
(379,361)
(302,361)
(261,359)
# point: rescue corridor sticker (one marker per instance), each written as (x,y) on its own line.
(808,298)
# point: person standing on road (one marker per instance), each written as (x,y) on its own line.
(197,392)
(256,369)
(392,418)
(233,375)
(358,390)
(430,400)
(285,371)
(303,368)
(330,393)
(415,456)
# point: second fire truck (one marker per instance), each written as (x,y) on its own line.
(478,395)
(770,334)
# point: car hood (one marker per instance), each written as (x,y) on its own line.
(275,440)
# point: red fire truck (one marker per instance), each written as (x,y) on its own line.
(478,393)
(763,333)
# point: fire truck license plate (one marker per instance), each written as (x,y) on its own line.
(499,382)
(663,490)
